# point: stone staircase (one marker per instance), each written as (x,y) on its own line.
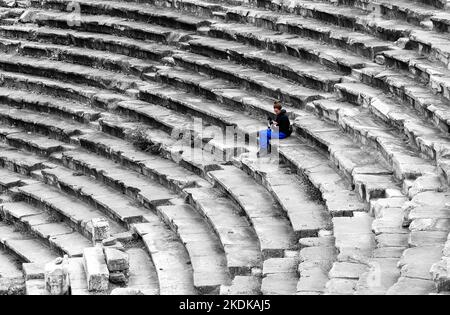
(143,114)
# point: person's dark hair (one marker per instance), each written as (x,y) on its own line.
(277,105)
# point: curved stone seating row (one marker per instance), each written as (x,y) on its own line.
(19,162)
(316,256)
(294,46)
(238,239)
(426,41)
(427,138)
(85,57)
(274,231)
(268,85)
(66,184)
(27,249)
(107,43)
(136,11)
(116,26)
(171,260)
(12,280)
(307,74)
(336,272)
(207,257)
(309,220)
(71,110)
(33,143)
(58,235)
(139,188)
(51,199)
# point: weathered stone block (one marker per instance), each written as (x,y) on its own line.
(97,273)
(118,277)
(57,277)
(441,274)
(109,241)
(116,260)
(100,229)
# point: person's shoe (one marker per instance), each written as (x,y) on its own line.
(261,154)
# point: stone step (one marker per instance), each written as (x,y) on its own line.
(305,213)
(336,192)
(411,286)
(56,88)
(280,276)
(68,72)
(210,112)
(19,162)
(237,237)
(355,243)
(411,11)
(205,251)
(143,274)
(441,21)
(230,96)
(118,207)
(433,74)
(242,285)
(11,12)
(309,125)
(304,131)
(25,248)
(355,40)
(162,170)
(428,139)
(411,92)
(274,231)
(145,191)
(427,218)
(440,4)
(50,230)
(80,56)
(41,123)
(432,44)
(266,84)
(112,25)
(348,17)
(302,48)
(405,160)
(9,180)
(306,73)
(33,143)
(383,271)
(439,270)
(72,211)
(166,119)
(170,258)
(359,31)
(365,169)
(35,287)
(180,127)
(186,150)
(77,277)
(381,275)
(128,182)
(11,276)
(316,259)
(46,104)
(136,11)
(101,42)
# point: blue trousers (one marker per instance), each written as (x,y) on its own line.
(266,135)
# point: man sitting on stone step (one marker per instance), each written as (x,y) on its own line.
(280,128)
